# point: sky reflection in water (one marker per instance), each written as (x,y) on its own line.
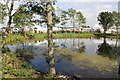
(87,57)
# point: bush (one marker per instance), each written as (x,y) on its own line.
(31,35)
(105,35)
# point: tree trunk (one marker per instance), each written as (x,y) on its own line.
(24,32)
(104,40)
(73,45)
(79,24)
(117,29)
(104,31)
(10,17)
(2,42)
(51,61)
(73,23)
(119,66)
(66,29)
(116,42)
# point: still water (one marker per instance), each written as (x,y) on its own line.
(86,57)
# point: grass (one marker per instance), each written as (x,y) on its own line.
(17,38)
(109,35)
(72,35)
(16,67)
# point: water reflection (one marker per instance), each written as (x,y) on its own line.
(25,51)
(119,66)
(106,50)
(110,51)
(88,58)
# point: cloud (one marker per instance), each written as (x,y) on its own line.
(56,7)
(108,7)
(102,8)
(90,10)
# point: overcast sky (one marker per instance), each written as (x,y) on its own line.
(89,8)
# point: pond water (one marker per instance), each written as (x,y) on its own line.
(85,57)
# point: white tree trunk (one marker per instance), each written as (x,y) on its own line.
(50,40)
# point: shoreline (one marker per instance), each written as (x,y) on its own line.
(17,38)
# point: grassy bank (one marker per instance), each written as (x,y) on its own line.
(72,35)
(108,35)
(16,67)
(16,38)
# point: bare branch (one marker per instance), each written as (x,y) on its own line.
(7,4)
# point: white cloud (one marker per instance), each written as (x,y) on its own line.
(102,8)
(108,7)
(56,7)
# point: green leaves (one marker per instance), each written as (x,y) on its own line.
(116,18)
(80,18)
(64,17)
(2,12)
(23,17)
(56,19)
(106,20)
(71,12)
(72,15)
(41,10)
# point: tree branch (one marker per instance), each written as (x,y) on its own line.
(7,4)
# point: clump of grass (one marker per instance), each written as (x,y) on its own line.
(16,67)
(16,38)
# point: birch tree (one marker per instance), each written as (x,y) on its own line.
(45,9)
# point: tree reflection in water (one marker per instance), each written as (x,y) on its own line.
(25,51)
(81,47)
(110,51)
(119,66)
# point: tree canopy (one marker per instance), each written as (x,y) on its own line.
(80,18)
(2,12)
(106,20)
(116,18)
(22,17)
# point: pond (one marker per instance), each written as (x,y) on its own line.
(85,57)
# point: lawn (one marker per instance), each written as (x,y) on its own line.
(17,38)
